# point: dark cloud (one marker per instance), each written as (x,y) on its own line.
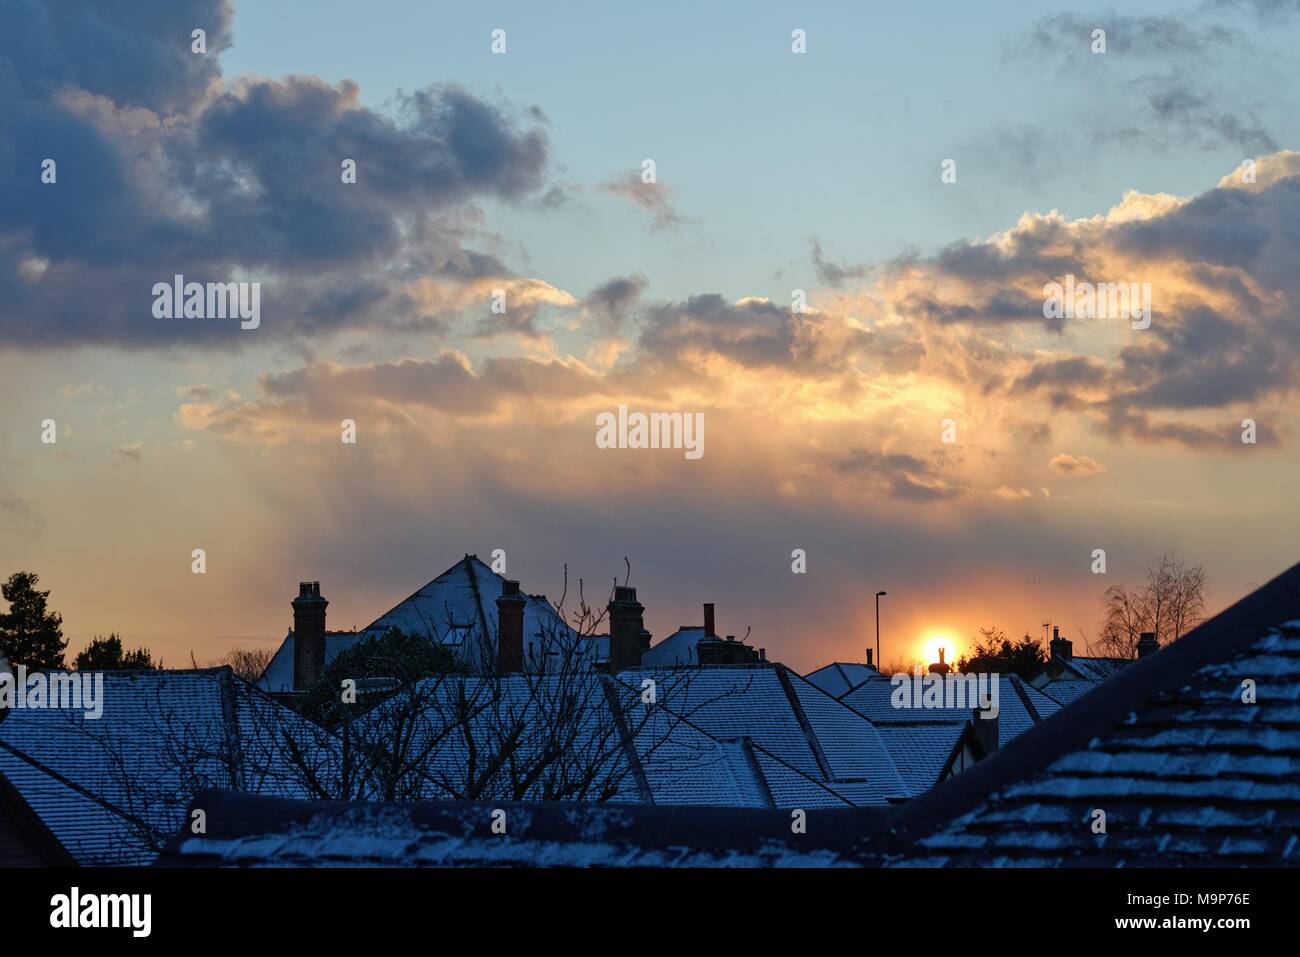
(243,181)
(897,474)
(135,52)
(612,301)
(754,333)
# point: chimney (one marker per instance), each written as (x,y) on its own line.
(308,635)
(939,668)
(869,664)
(709,631)
(628,639)
(986,731)
(1061,647)
(1147,644)
(510,629)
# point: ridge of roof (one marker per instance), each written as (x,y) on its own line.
(1098,712)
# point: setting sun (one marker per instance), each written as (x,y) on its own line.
(935,639)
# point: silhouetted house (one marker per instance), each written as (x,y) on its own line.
(457,610)
(113,789)
(1063,665)
(250,831)
(1190,756)
(25,841)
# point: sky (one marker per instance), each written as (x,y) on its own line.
(841,263)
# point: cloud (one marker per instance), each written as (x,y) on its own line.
(1148,60)
(833,274)
(612,301)
(319,395)
(654,198)
(130,451)
(897,474)
(166,169)
(1075,466)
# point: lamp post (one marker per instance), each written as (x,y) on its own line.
(879,664)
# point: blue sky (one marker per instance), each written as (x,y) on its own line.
(766,149)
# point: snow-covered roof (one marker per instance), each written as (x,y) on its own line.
(841,677)
(812,750)
(677,649)
(725,736)
(1193,755)
(1093,669)
(104,787)
(279,673)
(1020,706)
(922,749)
(247,831)
(1067,692)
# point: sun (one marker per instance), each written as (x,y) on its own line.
(935,639)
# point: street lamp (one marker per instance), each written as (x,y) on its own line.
(879,664)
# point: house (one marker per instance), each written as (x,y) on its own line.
(457,610)
(693,645)
(1063,665)
(1189,756)
(25,841)
(249,831)
(112,790)
(840,677)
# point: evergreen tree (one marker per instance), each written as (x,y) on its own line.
(105,654)
(30,634)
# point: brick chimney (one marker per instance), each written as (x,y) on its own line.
(1061,647)
(510,629)
(628,639)
(308,635)
(869,664)
(709,630)
(1147,644)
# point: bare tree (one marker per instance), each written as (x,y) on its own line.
(248,663)
(1170,603)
